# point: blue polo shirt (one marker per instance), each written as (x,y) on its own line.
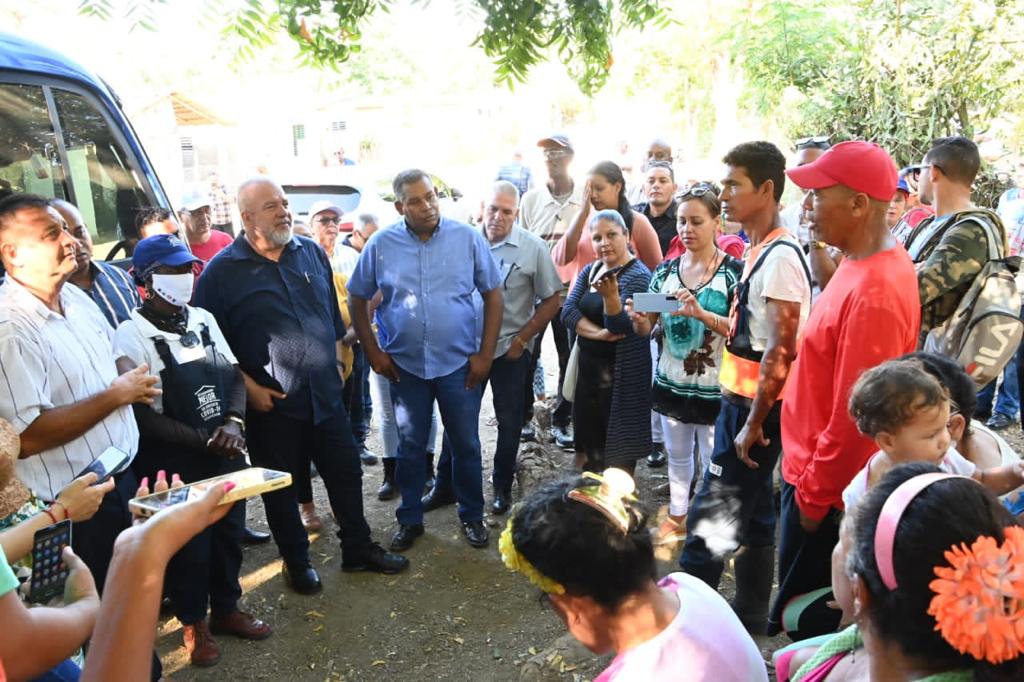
(427,288)
(281,320)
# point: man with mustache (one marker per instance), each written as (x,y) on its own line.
(428,270)
(528,276)
(273,296)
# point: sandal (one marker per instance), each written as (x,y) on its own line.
(669,532)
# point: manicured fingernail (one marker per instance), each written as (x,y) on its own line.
(175,478)
(144,483)
(161,476)
(229,486)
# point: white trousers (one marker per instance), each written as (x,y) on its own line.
(680,442)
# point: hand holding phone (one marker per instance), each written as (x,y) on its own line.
(111,462)
(49,571)
(655,303)
(82,497)
(245,483)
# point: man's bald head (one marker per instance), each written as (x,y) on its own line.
(658,150)
(264,210)
(76,226)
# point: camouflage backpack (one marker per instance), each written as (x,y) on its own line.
(985,330)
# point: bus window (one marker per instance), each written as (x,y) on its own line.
(106,187)
(29,158)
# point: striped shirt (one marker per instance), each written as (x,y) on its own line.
(49,360)
(114,292)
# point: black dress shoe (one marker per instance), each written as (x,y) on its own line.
(528,433)
(405,536)
(476,533)
(998,422)
(302,578)
(657,458)
(367,458)
(501,503)
(387,490)
(255,537)
(563,437)
(377,560)
(436,499)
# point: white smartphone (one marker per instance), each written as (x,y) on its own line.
(112,461)
(655,303)
(248,483)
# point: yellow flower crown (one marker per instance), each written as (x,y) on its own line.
(608,493)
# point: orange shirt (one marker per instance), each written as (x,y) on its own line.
(643,239)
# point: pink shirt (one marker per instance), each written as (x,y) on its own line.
(643,239)
(705,642)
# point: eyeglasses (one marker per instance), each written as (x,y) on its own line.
(324,220)
(556,153)
(812,141)
(915,170)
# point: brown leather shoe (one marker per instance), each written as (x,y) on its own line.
(240,624)
(201,646)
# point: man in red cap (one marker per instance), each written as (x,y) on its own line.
(869,313)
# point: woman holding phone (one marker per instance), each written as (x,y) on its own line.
(685,393)
(612,400)
(196,428)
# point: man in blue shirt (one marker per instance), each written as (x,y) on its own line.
(108,286)
(427,269)
(273,296)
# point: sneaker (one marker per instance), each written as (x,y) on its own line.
(670,532)
(999,421)
(563,437)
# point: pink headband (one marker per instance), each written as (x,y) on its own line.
(889,520)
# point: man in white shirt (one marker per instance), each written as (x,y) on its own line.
(546,211)
(59,386)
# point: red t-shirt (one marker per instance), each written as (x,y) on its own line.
(870,312)
(217,241)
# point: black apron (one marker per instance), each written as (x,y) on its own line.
(194,393)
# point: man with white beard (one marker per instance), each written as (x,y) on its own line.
(273,296)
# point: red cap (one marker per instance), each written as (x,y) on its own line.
(861,166)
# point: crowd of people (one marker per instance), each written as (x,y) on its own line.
(799,386)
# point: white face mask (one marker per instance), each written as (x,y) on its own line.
(175,289)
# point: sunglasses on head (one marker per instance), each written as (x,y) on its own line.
(696,191)
(812,141)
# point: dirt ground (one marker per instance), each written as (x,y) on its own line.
(457,614)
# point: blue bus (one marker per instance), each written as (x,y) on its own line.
(63,134)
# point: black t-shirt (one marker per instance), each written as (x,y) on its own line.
(664,225)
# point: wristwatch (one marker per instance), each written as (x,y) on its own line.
(818,245)
(238,420)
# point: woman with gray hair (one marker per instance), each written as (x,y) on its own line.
(612,395)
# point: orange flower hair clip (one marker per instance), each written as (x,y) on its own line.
(979,598)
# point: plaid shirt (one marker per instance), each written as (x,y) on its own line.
(220,209)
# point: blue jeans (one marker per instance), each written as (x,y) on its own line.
(738,500)
(506,378)
(413,399)
(1008,397)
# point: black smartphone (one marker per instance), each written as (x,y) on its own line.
(111,461)
(49,572)
(613,271)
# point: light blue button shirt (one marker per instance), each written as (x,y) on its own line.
(427,287)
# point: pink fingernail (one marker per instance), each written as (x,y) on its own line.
(229,486)
(144,483)
(175,478)
(161,476)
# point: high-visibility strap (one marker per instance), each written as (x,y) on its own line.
(741,376)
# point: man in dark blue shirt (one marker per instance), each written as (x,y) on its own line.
(273,296)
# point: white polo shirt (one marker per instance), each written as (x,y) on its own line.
(542,215)
(49,360)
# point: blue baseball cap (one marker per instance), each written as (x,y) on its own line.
(902,186)
(161,249)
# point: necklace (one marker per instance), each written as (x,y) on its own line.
(705,279)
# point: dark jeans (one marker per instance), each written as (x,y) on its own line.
(562,414)
(734,498)
(355,392)
(413,399)
(93,540)
(275,442)
(805,562)
(505,378)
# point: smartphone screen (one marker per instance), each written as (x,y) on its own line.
(112,461)
(248,482)
(49,572)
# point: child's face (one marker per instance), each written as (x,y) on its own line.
(924,438)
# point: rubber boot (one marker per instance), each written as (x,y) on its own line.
(755,571)
(388,490)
